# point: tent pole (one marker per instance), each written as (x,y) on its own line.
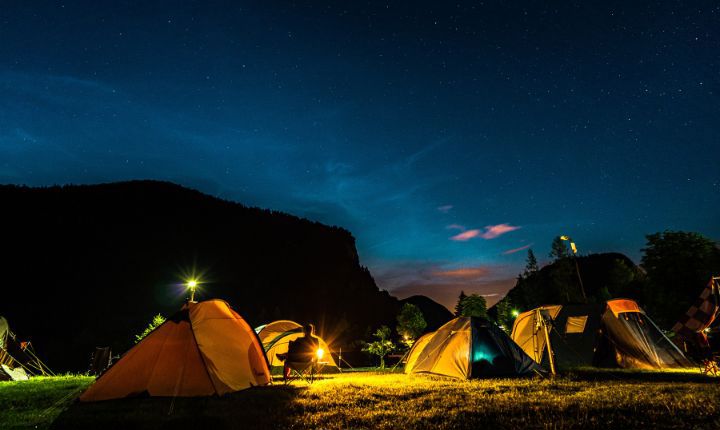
(551,354)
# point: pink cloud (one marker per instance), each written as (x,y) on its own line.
(514,250)
(445,208)
(466,235)
(493,231)
(463,273)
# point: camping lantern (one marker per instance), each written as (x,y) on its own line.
(320,353)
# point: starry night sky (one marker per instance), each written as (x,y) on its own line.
(448,137)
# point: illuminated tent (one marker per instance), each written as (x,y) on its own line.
(613,334)
(204,349)
(17,359)
(277,335)
(469,347)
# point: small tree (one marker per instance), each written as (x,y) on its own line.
(382,346)
(505,317)
(458,306)
(531,265)
(474,305)
(155,323)
(558,249)
(411,323)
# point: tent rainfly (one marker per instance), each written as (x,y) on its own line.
(204,349)
(469,347)
(277,335)
(617,333)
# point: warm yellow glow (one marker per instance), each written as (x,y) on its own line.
(564,238)
(320,353)
(192,283)
(515,313)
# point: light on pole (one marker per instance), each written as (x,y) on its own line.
(577,267)
(192,286)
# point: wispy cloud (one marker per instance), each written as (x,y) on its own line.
(466,235)
(463,272)
(493,231)
(514,250)
(445,208)
(490,232)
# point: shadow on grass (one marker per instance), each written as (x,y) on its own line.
(258,407)
(608,375)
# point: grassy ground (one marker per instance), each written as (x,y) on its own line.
(584,398)
(37,402)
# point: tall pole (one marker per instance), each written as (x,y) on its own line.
(577,266)
(577,270)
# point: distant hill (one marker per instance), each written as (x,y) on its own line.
(434,313)
(86,266)
(604,276)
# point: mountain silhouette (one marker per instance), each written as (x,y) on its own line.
(434,313)
(87,266)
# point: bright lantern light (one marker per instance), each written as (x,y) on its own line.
(515,313)
(192,283)
(320,352)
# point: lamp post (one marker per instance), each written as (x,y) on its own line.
(192,286)
(577,267)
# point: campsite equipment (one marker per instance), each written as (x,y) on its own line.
(276,337)
(101,359)
(204,349)
(18,359)
(469,347)
(617,333)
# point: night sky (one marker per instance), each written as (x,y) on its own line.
(448,137)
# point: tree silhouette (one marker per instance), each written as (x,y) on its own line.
(474,305)
(558,249)
(458,305)
(531,265)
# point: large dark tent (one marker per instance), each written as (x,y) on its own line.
(468,347)
(617,333)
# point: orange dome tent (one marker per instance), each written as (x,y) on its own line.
(205,349)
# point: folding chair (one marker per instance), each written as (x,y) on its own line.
(306,371)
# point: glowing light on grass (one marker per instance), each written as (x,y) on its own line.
(320,353)
(515,313)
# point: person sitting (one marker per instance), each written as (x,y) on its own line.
(301,351)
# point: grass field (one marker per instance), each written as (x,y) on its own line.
(585,398)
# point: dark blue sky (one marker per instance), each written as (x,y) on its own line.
(413,125)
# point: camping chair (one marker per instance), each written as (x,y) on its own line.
(303,361)
(306,371)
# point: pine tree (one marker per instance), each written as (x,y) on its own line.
(458,306)
(531,265)
(558,250)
